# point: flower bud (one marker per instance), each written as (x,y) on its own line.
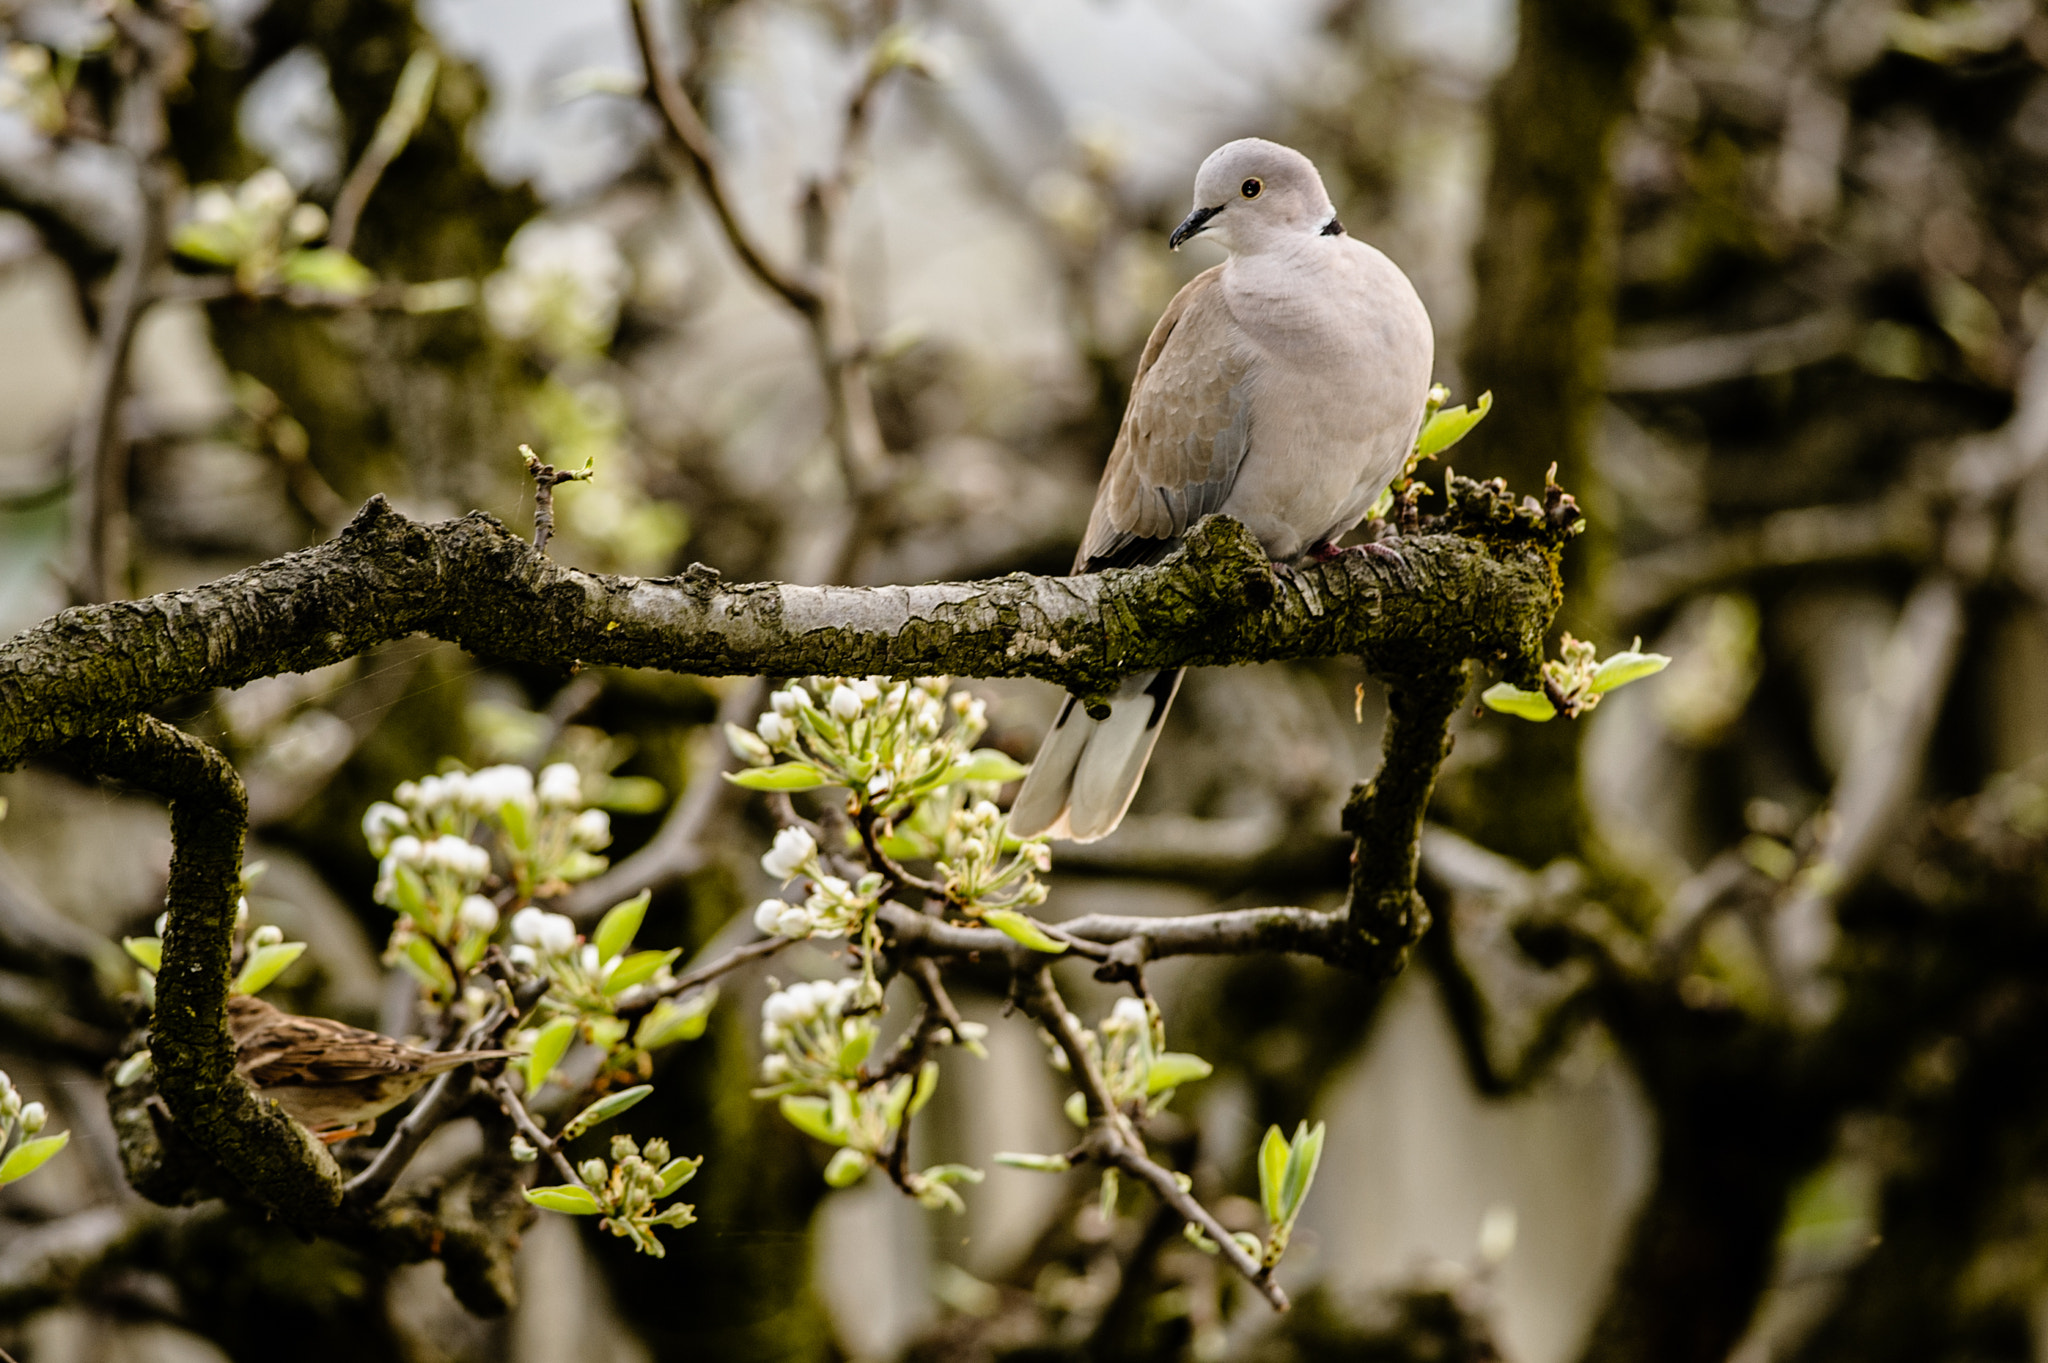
(32,1118)
(592,829)
(785,702)
(269,935)
(845,703)
(795,922)
(526,925)
(767,914)
(522,956)
(556,934)
(775,731)
(381,823)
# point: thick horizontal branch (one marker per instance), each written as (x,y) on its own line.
(1487,592)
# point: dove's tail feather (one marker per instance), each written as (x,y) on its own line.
(1088,769)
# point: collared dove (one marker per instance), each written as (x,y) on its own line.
(1283,387)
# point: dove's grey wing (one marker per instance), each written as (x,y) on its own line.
(1184,434)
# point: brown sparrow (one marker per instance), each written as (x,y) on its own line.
(333,1079)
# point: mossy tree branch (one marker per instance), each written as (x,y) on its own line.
(1486,592)
(254,1142)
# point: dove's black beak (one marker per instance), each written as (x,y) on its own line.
(1192,226)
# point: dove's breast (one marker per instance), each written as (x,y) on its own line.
(1342,358)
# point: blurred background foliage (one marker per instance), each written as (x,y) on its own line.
(1731,1038)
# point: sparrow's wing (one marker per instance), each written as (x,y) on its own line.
(1185,433)
(296,1050)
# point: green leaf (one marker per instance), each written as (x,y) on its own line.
(676,1173)
(1174,1068)
(327,270)
(782,776)
(629,795)
(847,1168)
(411,892)
(548,1049)
(620,925)
(987,764)
(266,964)
(1512,700)
(855,1049)
(604,1109)
(147,951)
(518,825)
(1303,1156)
(213,242)
(566,1198)
(812,1115)
(1449,426)
(1623,668)
(927,1084)
(1076,1108)
(1273,1152)
(427,963)
(1019,928)
(1037,1164)
(132,1069)
(30,1156)
(637,969)
(667,1023)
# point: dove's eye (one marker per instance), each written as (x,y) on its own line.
(1250,189)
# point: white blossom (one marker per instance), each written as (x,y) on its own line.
(796,921)
(785,702)
(526,925)
(793,849)
(775,731)
(562,286)
(405,851)
(845,702)
(561,786)
(521,954)
(490,790)
(478,914)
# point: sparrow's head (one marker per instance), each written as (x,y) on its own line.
(1252,193)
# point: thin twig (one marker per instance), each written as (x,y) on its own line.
(441,1101)
(509,1100)
(686,125)
(545,478)
(396,128)
(1114,1141)
(99,452)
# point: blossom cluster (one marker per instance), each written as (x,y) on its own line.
(625,1193)
(1129,1050)
(984,867)
(832,905)
(261,231)
(891,743)
(816,1044)
(433,870)
(22,1149)
(561,288)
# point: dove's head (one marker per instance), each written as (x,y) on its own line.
(1252,193)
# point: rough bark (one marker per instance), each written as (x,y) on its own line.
(473,582)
